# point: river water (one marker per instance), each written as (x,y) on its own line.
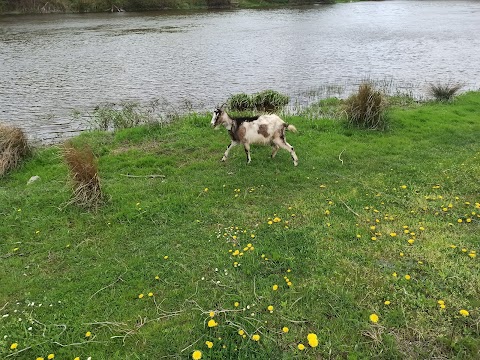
(54,65)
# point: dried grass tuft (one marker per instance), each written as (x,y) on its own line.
(366,108)
(84,177)
(13,148)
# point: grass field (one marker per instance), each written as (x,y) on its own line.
(370,244)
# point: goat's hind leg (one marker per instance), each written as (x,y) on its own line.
(284,145)
(247,152)
(275,150)
(225,155)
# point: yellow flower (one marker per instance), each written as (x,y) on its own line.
(197,355)
(256,337)
(275,287)
(270,308)
(285,329)
(39,358)
(140,296)
(411,241)
(236,304)
(472,255)
(150,294)
(387,302)
(442,306)
(157,277)
(393,234)
(166,257)
(464,313)
(50,356)
(373,318)
(212,314)
(394,274)
(301,347)
(441,302)
(241,332)
(77,358)
(408,277)
(88,334)
(312,340)
(13,346)
(277,219)
(212,323)
(209,344)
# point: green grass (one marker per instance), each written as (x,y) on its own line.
(66,271)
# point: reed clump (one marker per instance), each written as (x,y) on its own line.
(264,101)
(84,177)
(367,108)
(13,148)
(444,92)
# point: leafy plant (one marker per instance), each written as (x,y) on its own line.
(366,108)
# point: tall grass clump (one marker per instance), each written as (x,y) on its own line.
(443,92)
(265,101)
(84,177)
(240,102)
(117,117)
(13,148)
(366,108)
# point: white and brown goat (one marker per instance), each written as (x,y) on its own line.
(264,129)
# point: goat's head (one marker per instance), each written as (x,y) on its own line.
(217,117)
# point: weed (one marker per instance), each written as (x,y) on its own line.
(443,92)
(366,108)
(83,169)
(13,148)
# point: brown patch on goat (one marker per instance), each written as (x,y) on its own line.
(263,130)
(241,133)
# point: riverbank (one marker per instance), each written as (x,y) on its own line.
(370,244)
(95,6)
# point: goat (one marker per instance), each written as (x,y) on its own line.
(264,129)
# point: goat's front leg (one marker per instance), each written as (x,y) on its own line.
(247,151)
(232,144)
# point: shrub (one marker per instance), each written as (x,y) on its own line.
(83,170)
(366,108)
(13,148)
(443,92)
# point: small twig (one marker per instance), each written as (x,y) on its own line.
(4,306)
(152,176)
(349,208)
(340,156)
(111,284)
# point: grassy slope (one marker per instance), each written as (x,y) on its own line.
(84,272)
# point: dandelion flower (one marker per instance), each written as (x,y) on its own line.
(270,308)
(212,323)
(50,356)
(165,257)
(285,329)
(39,358)
(373,318)
(197,355)
(464,313)
(241,332)
(13,346)
(394,274)
(157,277)
(442,306)
(209,344)
(88,334)
(211,314)
(440,302)
(312,340)
(256,337)
(236,304)
(77,358)
(387,302)
(301,347)
(150,294)
(140,296)
(393,234)
(408,277)
(275,287)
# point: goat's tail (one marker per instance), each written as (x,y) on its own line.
(290,128)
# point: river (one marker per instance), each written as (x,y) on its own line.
(52,66)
